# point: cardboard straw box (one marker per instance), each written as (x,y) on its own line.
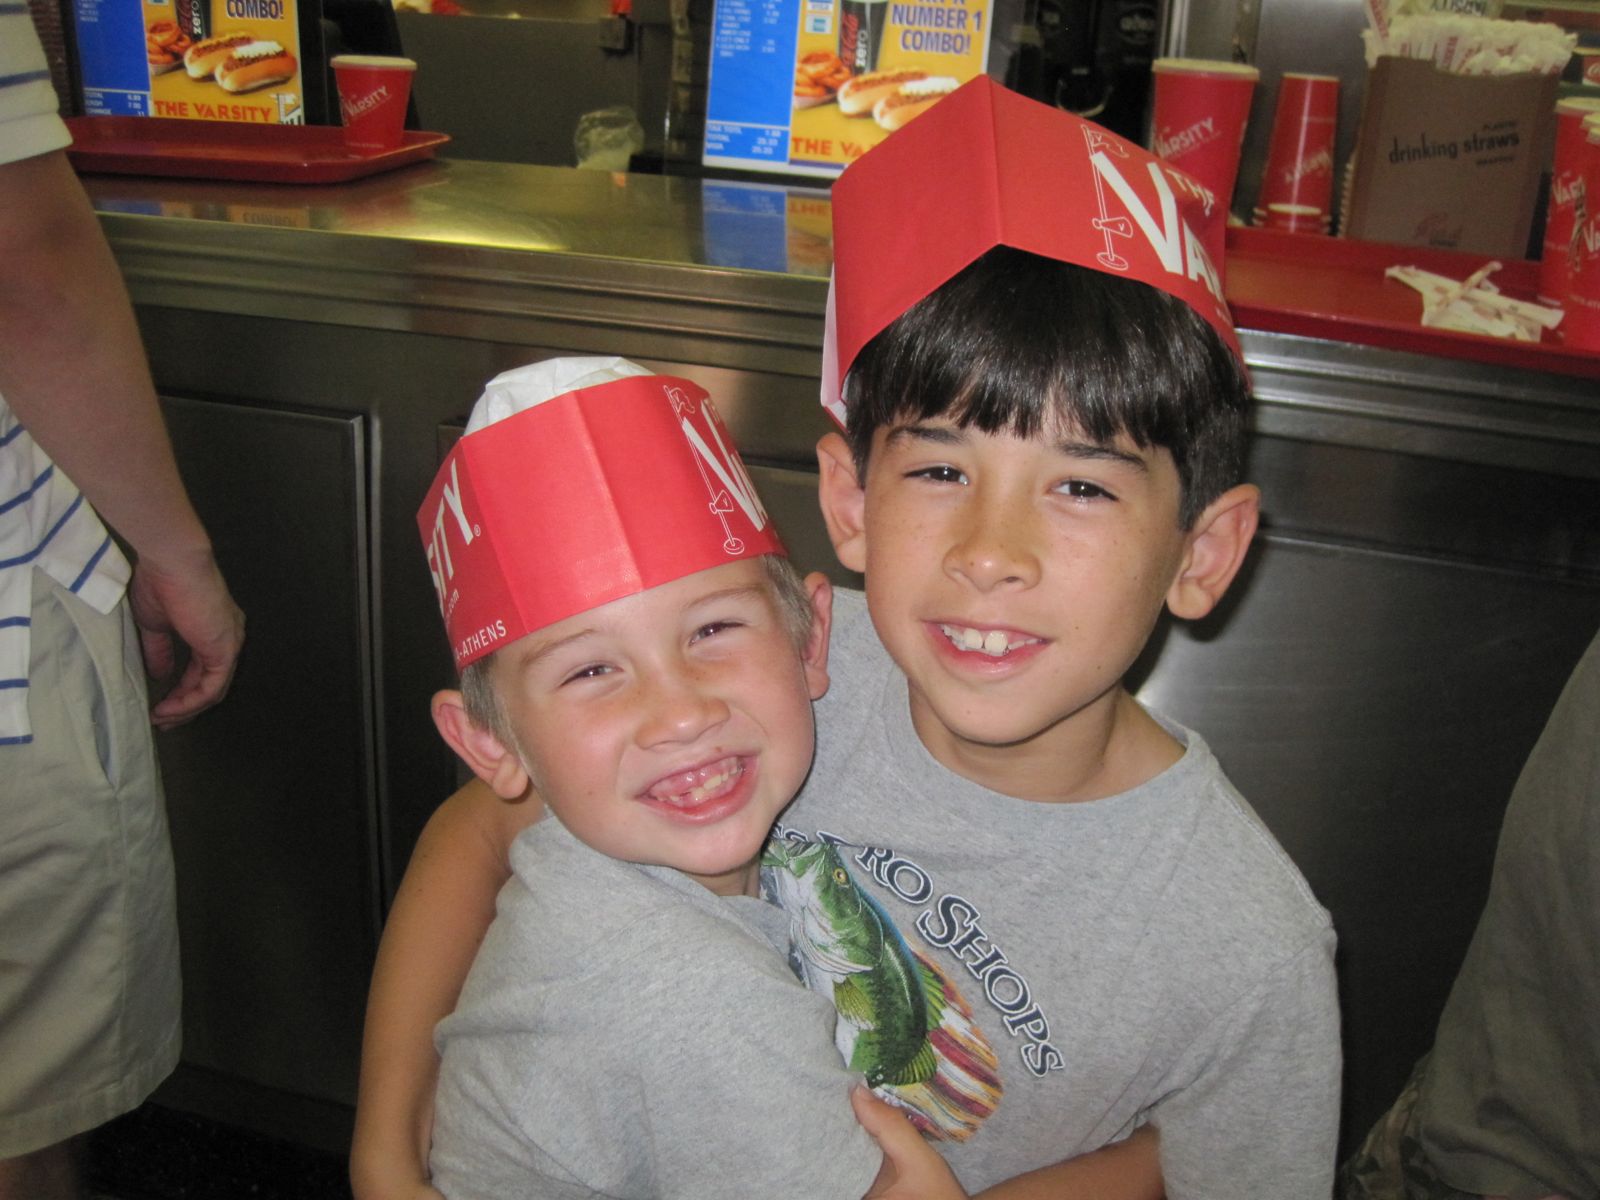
(1450,160)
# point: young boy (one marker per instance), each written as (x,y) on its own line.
(631,642)
(1045,917)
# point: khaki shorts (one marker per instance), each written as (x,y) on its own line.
(89,988)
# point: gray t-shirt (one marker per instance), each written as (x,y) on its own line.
(1040,979)
(626,1033)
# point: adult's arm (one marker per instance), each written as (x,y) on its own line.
(73,370)
(441,911)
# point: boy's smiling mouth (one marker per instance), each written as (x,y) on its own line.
(692,788)
(996,643)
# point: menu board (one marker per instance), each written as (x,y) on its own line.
(132,59)
(806,86)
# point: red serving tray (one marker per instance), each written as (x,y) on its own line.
(232,150)
(1334,288)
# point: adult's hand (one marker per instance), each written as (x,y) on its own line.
(186,600)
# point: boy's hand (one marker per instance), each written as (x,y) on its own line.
(912,1169)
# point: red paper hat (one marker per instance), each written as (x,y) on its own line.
(575,500)
(986,167)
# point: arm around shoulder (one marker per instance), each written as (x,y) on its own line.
(440,913)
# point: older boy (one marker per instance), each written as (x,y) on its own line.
(1041,454)
(638,650)
(1044,916)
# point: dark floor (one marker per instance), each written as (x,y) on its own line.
(157,1153)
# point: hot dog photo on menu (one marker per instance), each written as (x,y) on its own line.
(864,68)
(224,60)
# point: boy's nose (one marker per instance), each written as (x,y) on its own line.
(993,550)
(677,708)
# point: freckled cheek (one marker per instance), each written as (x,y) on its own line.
(886,531)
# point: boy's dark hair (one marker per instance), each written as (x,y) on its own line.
(1017,342)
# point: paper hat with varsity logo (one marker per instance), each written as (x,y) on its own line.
(580,481)
(986,167)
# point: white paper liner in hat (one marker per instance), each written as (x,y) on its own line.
(522,388)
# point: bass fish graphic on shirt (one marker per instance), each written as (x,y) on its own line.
(902,1022)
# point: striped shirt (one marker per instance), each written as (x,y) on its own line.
(44,521)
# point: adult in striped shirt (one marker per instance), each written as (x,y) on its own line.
(88,941)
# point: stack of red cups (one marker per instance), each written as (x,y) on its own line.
(1297,186)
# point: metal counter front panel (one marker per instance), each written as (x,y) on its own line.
(271,795)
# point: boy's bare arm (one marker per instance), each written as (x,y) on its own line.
(440,913)
(912,1169)
(1128,1170)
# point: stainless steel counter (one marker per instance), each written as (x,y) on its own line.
(451,245)
(1428,572)
(726,274)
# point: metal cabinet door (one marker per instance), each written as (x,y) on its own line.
(271,795)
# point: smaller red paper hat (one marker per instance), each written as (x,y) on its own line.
(557,501)
(986,167)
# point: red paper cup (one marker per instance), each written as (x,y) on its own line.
(1566,184)
(1299,172)
(1201,108)
(373,91)
(1581,326)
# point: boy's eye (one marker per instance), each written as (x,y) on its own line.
(712,628)
(942,473)
(592,671)
(1082,489)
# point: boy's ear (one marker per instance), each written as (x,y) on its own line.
(815,654)
(490,759)
(1214,551)
(843,499)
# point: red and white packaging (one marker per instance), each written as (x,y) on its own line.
(1297,185)
(373,93)
(581,481)
(1581,326)
(1566,185)
(1201,108)
(986,167)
